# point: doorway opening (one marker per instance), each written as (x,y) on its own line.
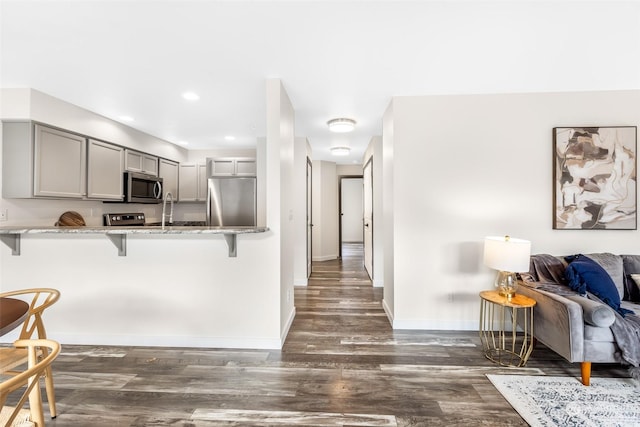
(351,214)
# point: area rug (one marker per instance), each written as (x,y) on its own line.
(564,401)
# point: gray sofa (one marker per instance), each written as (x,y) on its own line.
(579,328)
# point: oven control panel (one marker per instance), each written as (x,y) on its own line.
(124,219)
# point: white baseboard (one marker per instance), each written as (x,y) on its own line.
(285,331)
(325,257)
(378,283)
(436,325)
(388,312)
(300,282)
(170,341)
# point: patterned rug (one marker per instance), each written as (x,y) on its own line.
(564,401)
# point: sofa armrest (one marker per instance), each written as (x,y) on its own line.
(595,313)
(558,323)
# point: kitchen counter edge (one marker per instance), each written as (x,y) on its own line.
(133,230)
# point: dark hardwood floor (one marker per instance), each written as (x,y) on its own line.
(341,365)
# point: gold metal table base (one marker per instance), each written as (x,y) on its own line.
(502,342)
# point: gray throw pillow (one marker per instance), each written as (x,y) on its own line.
(635,281)
(613,265)
(631,266)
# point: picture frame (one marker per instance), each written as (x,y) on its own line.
(594,178)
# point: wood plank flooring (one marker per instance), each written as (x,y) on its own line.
(341,365)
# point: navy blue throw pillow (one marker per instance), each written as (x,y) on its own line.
(585,275)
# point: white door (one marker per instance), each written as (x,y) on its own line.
(368,216)
(351,210)
(309,217)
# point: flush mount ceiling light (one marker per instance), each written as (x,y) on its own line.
(341,125)
(340,151)
(126,118)
(230,138)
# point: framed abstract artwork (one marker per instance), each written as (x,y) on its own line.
(594,178)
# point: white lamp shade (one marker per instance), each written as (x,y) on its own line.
(505,253)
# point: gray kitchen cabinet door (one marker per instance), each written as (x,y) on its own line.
(105,168)
(59,164)
(169,172)
(188,183)
(192,185)
(222,167)
(245,167)
(202,182)
(232,166)
(136,161)
(150,164)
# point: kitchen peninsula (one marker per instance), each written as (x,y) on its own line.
(176,286)
(11,236)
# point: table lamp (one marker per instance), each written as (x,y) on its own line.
(509,256)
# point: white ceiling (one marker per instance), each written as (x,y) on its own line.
(335,58)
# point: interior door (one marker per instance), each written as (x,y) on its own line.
(309,217)
(368,216)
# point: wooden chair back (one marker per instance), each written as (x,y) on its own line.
(30,377)
(32,328)
(41,299)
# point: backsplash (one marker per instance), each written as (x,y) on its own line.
(38,212)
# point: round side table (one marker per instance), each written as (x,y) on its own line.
(502,341)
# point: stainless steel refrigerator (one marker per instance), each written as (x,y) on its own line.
(231,201)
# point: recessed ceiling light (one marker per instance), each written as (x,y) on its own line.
(190,96)
(340,151)
(341,125)
(230,138)
(126,118)
(183,143)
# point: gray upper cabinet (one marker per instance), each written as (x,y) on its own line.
(169,172)
(105,168)
(40,161)
(193,182)
(59,163)
(136,161)
(232,166)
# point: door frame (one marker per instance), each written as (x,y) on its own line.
(309,209)
(370,164)
(340,178)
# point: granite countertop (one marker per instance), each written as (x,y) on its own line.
(133,230)
(11,235)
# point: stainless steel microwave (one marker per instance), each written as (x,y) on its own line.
(142,188)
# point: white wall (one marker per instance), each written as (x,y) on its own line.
(374,153)
(469,166)
(388,224)
(197,156)
(280,173)
(302,151)
(325,211)
(355,170)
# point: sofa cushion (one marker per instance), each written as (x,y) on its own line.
(632,288)
(586,275)
(594,333)
(614,266)
(595,313)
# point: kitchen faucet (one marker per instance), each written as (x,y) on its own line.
(164,207)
